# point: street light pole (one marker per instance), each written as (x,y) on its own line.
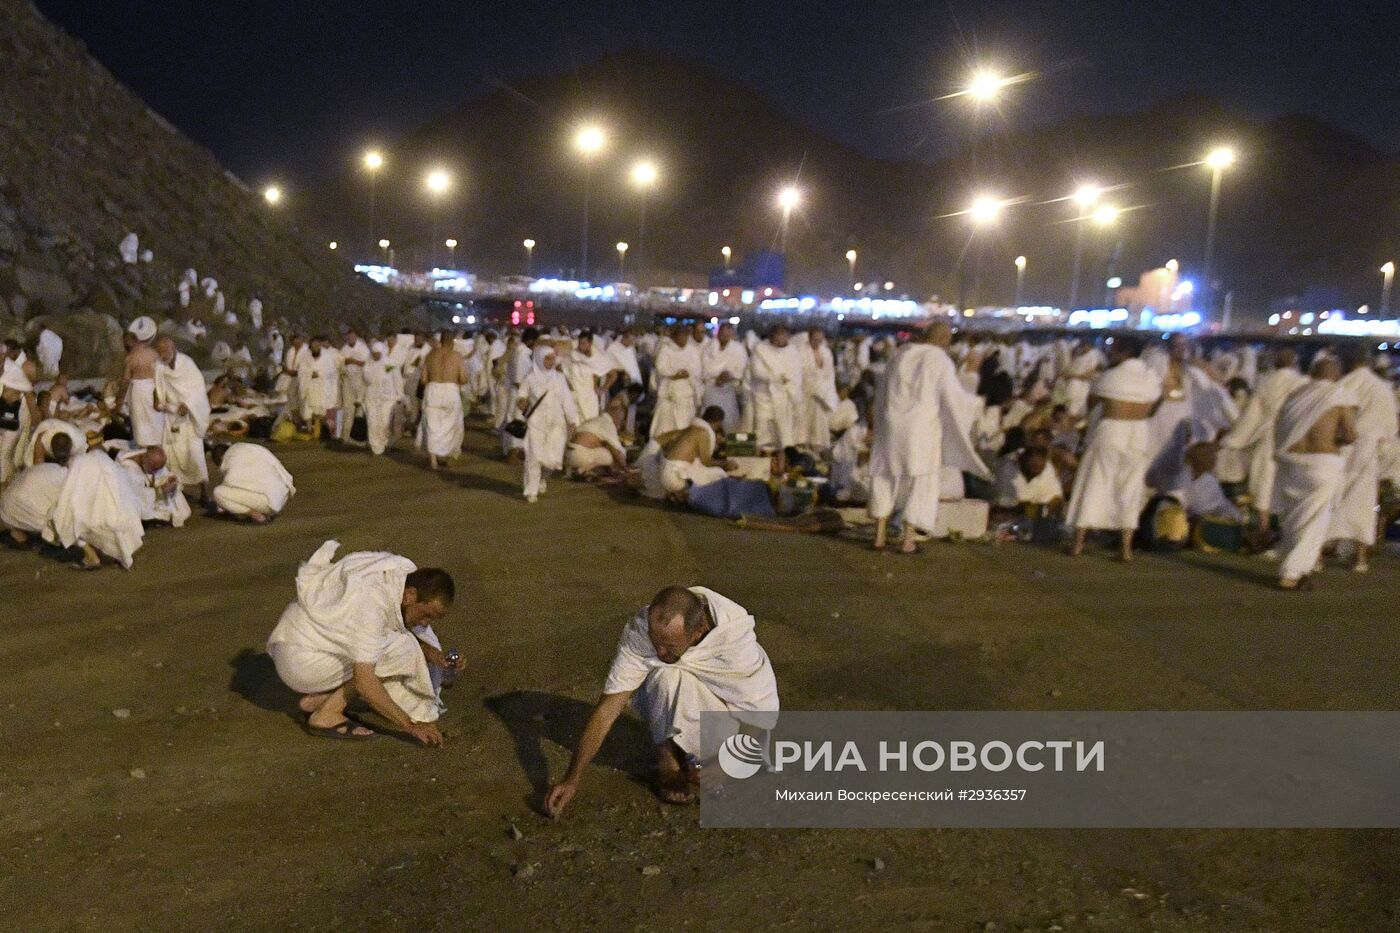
(529,256)
(726,252)
(1387,279)
(1085,197)
(1218,160)
(621,261)
(851,258)
(1020,281)
(373,162)
(589,141)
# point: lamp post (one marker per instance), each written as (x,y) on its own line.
(451,245)
(984,212)
(1085,197)
(621,260)
(726,252)
(1387,279)
(1218,160)
(384,249)
(373,161)
(1020,280)
(788,198)
(272,195)
(529,256)
(643,176)
(437,182)
(851,260)
(589,141)
(1104,218)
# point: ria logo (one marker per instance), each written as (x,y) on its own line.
(741,756)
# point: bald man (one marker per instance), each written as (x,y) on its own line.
(690,651)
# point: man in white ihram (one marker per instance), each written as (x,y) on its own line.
(361,627)
(691,651)
(184,398)
(922,422)
(253,483)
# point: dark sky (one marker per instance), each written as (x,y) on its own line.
(293,88)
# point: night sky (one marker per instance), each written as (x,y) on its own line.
(296,88)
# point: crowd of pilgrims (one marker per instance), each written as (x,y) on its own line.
(666,409)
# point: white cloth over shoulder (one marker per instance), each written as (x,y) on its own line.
(98,506)
(27,504)
(728,671)
(349,612)
(177,386)
(254,480)
(1304,406)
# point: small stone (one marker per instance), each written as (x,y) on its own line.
(836,615)
(651,871)
(515,833)
(523,872)
(122,713)
(138,773)
(989,926)
(877,865)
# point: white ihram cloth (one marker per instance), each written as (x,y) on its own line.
(27,504)
(922,422)
(587,459)
(662,477)
(98,506)
(1354,518)
(353,357)
(156,506)
(50,351)
(547,433)
(727,672)
(818,397)
(383,391)
(45,431)
(253,480)
(441,429)
(1305,485)
(350,612)
(714,360)
(1109,487)
(585,375)
(776,377)
(1076,391)
(677,400)
(147,422)
(183,384)
(318,382)
(1254,432)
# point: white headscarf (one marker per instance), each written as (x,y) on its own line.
(13,377)
(541,351)
(143,329)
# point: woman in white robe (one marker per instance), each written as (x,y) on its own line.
(547,404)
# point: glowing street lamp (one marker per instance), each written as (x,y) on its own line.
(621,260)
(788,198)
(1084,197)
(272,195)
(851,259)
(589,139)
(985,86)
(726,252)
(1020,281)
(437,182)
(451,245)
(1217,160)
(334,245)
(1387,279)
(1106,216)
(985,210)
(373,162)
(529,254)
(643,177)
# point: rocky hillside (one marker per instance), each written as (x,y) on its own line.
(83,163)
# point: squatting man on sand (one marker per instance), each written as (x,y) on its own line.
(691,651)
(362,627)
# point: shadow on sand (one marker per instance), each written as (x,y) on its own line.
(534,718)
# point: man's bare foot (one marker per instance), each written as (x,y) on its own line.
(910,546)
(311,702)
(432,462)
(1125,557)
(18,537)
(257,518)
(91,559)
(673,783)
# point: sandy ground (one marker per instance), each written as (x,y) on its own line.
(154,777)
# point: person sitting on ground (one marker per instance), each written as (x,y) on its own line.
(596,448)
(673,462)
(348,634)
(253,483)
(690,651)
(27,504)
(156,488)
(1031,485)
(1197,488)
(99,510)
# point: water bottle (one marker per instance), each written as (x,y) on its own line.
(449,673)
